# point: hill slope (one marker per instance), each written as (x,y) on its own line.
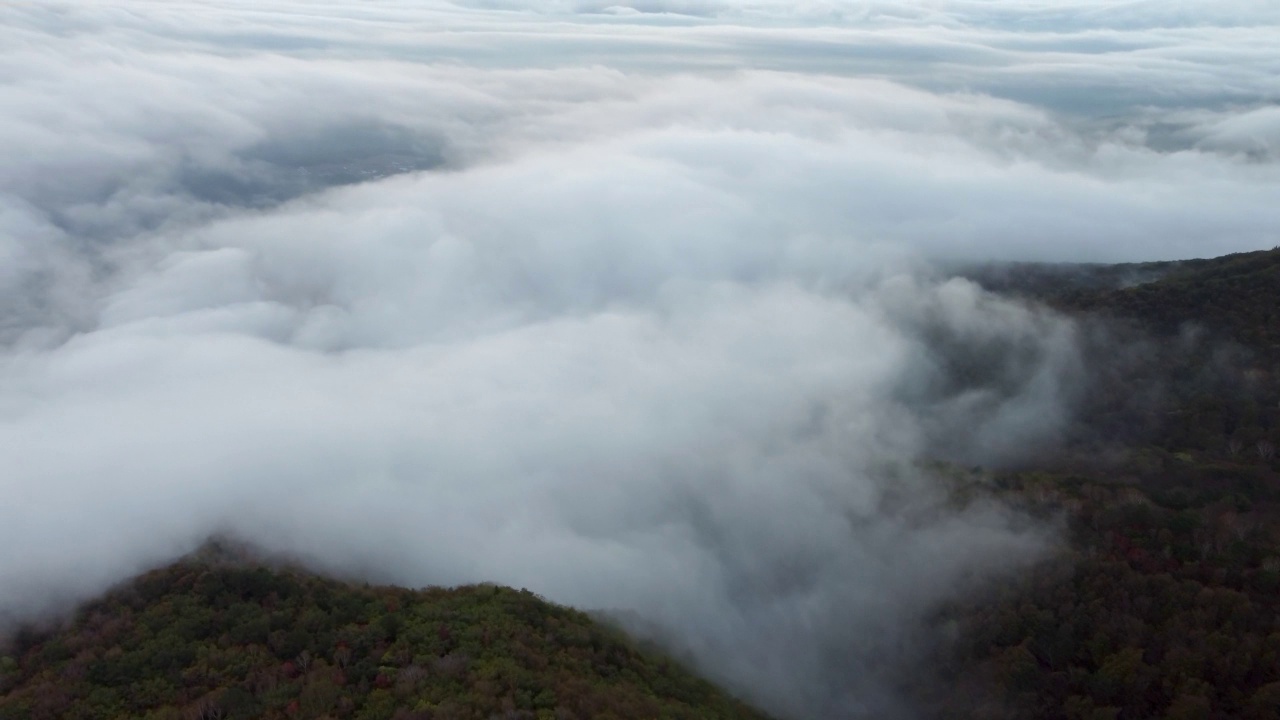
(1165,602)
(1181,357)
(225,640)
(1235,296)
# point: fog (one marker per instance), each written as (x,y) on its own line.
(630,304)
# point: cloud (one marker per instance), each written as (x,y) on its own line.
(626,303)
(729,462)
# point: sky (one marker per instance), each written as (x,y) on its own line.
(632,304)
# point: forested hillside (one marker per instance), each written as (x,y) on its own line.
(1235,296)
(1165,600)
(216,639)
(1179,357)
(1234,293)
(1161,606)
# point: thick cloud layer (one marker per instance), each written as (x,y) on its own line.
(621,302)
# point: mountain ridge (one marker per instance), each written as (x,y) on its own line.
(220,636)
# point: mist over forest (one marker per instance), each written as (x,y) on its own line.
(643,306)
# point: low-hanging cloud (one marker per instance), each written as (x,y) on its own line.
(621,302)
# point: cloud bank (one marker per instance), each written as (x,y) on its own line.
(625,303)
